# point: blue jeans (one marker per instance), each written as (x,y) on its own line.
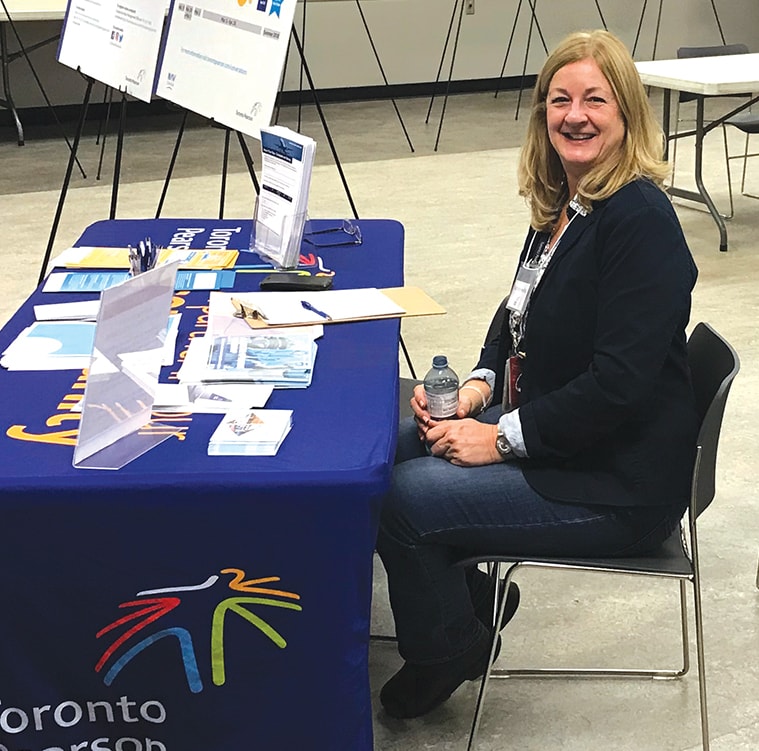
(437,513)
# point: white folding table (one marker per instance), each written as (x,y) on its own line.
(17,11)
(707,76)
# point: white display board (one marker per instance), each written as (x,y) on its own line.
(223,59)
(114,42)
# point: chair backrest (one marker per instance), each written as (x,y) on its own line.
(713,365)
(714,51)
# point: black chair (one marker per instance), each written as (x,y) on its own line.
(714,364)
(686,96)
(748,123)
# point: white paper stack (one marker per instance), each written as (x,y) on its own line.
(51,345)
(287,161)
(253,432)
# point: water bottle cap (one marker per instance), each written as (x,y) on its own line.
(439,361)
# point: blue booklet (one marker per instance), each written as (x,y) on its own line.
(97,281)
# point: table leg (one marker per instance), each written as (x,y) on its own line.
(702,195)
(699,177)
(7,102)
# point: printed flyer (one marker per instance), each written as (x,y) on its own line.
(223,59)
(114,42)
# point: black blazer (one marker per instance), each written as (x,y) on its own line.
(607,407)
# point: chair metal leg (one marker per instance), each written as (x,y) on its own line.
(495,673)
(729,177)
(745,159)
(655,673)
(497,616)
(700,646)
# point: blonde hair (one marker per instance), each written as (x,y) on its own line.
(541,175)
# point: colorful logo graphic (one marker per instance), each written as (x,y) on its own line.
(250,597)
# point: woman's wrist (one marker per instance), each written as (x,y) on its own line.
(484,397)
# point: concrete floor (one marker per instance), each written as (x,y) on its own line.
(464,227)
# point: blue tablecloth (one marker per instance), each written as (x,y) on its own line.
(188,602)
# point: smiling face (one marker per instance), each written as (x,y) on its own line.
(584,121)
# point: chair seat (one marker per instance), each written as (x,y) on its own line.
(669,559)
(748,122)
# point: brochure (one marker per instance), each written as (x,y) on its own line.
(282,359)
(255,432)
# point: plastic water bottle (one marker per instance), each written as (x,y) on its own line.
(441,387)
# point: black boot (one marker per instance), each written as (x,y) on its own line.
(417,689)
(482,591)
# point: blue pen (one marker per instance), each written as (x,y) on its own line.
(307,305)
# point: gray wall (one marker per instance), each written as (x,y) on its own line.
(409,36)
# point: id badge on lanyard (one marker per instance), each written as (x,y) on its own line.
(521,290)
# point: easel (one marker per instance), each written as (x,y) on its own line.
(658,25)
(376,57)
(246,152)
(6,59)
(533,23)
(70,169)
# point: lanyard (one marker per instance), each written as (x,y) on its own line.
(528,277)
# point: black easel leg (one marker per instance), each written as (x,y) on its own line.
(382,71)
(442,59)
(172,162)
(104,124)
(601,16)
(526,55)
(248,161)
(119,154)
(8,94)
(640,26)
(719,25)
(66,181)
(508,48)
(224,170)
(656,32)
(324,122)
(450,75)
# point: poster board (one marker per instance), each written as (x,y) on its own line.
(224,59)
(114,42)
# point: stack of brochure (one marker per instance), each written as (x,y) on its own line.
(253,432)
(287,160)
(51,345)
(282,358)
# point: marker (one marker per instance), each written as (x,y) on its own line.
(307,305)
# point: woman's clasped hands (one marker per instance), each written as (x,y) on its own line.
(462,440)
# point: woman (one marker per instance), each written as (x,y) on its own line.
(590,453)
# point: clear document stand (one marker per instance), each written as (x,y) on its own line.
(124,370)
(277,237)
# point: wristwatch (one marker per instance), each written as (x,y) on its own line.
(503,446)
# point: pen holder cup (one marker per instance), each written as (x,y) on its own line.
(277,238)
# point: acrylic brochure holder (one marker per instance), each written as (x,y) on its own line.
(277,237)
(124,370)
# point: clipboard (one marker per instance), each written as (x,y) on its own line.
(404,302)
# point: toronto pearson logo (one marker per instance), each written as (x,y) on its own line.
(140,627)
